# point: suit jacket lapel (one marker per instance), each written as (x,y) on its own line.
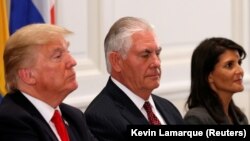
(71,130)
(164,111)
(127,108)
(47,130)
(22,101)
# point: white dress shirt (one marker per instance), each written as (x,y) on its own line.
(139,102)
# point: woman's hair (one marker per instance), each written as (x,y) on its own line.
(204,59)
(21,48)
(119,36)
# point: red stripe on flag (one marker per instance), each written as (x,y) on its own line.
(52,15)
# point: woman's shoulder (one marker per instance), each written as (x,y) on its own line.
(198,110)
(198,115)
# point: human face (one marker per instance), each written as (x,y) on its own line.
(141,69)
(54,69)
(227,74)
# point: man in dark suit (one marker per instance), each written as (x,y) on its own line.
(132,56)
(39,72)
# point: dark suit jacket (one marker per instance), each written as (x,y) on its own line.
(200,116)
(112,110)
(21,121)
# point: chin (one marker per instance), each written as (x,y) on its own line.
(155,86)
(239,90)
(73,87)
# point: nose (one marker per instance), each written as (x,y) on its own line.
(71,62)
(156,62)
(239,70)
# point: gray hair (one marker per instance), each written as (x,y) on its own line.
(119,36)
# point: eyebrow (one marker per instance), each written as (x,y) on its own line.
(61,48)
(150,50)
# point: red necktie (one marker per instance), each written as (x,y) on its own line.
(60,126)
(151,116)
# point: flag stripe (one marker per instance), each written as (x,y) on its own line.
(24,12)
(52,15)
(4,34)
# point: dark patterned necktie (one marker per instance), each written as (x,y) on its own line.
(60,126)
(153,120)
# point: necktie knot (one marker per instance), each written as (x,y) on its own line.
(151,116)
(60,126)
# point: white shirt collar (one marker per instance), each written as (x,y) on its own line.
(46,110)
(138,101)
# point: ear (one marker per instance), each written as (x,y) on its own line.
(115,61)
(26,76)
(210,78)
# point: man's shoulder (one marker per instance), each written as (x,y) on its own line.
(157,98)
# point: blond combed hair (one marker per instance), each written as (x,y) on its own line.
(22,45)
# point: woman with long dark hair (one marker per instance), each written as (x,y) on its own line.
(216,75)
